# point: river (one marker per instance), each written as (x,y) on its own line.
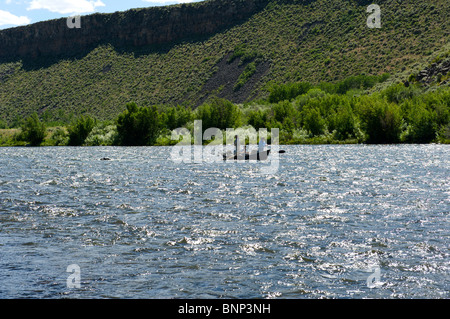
(347,221)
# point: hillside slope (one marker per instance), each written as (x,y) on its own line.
(268,42)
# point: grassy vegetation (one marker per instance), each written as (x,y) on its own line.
(317,42)
(304,113)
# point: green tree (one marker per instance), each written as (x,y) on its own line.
(343,122)
(444,134)
(138,126)
(357,82)
(423,127)
(283,110)
(257,119)
(289,91)
(313,122)
(3,124)
(219,113)
(104,134)
(176,117)
(79,130)
(381,120)
(399,92)
(60,137)
(33,130)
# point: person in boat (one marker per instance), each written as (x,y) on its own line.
(237,145)
(262,145)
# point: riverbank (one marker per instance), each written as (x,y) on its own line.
(10,138)
(342,113)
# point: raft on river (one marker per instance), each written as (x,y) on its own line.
(259,156)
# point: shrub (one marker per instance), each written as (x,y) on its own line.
(244,53)
(80,129)
(343,123)
(312,97)
(423,127)
(283,110)
(288,91)
(359,82)
(313,122)
(33,130)
(60,137)
(444,134)
(399,92)
(381,121)
(3,125)
(219,113)
(176,117)
(102,135)
(138,126)
(248,72)
(258,119)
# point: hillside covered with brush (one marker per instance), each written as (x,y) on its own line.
(233,49)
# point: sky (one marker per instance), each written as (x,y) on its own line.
(22,12)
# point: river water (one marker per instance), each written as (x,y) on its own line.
(348,221)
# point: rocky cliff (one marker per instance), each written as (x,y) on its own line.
(133,28)
(233,49)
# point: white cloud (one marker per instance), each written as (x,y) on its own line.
(7,18)
(66,6)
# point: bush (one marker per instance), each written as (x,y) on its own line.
(381,121)
(359,82)
(444,134)
(258,119)
(312,97)
(3,125)
(423,127)
(313,122)
(343,123)
(244,53)
(288,91)
(248,72)
(438,102)
(33,130)
(399,92)
(284,110)
(176,117)
(138,126)
(60,137)
(219,113)
(102,135)
(80,129)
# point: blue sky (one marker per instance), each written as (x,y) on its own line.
(21,12)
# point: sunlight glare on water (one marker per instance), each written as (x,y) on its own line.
(142,226)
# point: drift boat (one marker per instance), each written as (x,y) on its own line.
(260,156)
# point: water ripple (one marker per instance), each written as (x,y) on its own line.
(141,226)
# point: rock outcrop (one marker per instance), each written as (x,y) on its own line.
(434,73)
(133,28)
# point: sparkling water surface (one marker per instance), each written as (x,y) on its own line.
(143,226)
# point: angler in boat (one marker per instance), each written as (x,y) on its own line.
(237,145)
(260,154)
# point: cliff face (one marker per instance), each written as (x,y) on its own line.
(135,28)
(234,49)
